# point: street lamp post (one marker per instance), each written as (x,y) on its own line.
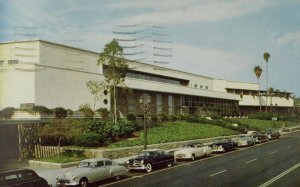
(145,107)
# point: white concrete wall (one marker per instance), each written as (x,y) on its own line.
(17,81)
(62,81)
(221,85)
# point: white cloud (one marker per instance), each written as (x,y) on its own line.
(209,11)
(289,38)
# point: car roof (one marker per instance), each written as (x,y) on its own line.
(16,171)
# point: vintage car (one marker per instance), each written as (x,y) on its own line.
(260,137)
(244,140)
(22,177)
(90,171)
(149,159)
(192,151)
(272,133)
(223,145)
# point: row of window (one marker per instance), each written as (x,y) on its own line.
(9,62)
(200,86)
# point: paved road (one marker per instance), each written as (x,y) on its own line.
(276,163)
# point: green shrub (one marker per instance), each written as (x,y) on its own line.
(60,113)
(126,128)
(7,112)
(73,153)
(41,109)
(154,118)
(172,117)
(131,117)
(163,117)
(104,113)
(89,139)
(87,110)
(192,118)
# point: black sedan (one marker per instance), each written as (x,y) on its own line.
(149,159)
(223,145)
(22,177)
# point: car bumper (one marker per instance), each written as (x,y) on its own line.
(66,182)
(218,150)
(136,167)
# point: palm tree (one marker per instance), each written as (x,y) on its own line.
(270,91)
(266,57)
(258,71)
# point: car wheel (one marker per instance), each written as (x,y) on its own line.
(148,168)
(169,164)
(83,182)
(118,177)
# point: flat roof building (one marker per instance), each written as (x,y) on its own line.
(43,73)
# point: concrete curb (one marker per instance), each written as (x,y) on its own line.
(50,165)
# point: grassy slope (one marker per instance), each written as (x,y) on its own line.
(263,124)
(176,131)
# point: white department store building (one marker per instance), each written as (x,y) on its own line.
(48,74)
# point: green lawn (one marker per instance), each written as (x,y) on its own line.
(264,124)
(177,131)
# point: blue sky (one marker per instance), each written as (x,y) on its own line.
(221,39)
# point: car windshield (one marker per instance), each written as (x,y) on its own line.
(189,145)
(85,164)
(147,153)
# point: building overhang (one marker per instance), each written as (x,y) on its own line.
(177,89)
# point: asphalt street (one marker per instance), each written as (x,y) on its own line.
(275,163)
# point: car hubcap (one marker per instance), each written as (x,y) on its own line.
(149,168)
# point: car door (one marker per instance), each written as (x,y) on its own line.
(99,171)
(29,178)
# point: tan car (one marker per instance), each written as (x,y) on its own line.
(90,171)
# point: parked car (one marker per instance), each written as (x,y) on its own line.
(272,133)
(90,171)
(260,137)
(244,140)
(192,151)
(223,145)
(149,159)
(22,178)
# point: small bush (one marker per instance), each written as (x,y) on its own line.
(7,112)
(60,113)
(131,117)
(163,117)
(73,153)
(104,113)
(154,118)
(89,139)
(192,118)
(87,110)
(172,118)
(41,109)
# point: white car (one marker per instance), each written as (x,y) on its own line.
(90,171)
(192,151)
(245,140)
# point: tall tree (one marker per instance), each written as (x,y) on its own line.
(266,57)
(114,69)
(270,92)
(258,71)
